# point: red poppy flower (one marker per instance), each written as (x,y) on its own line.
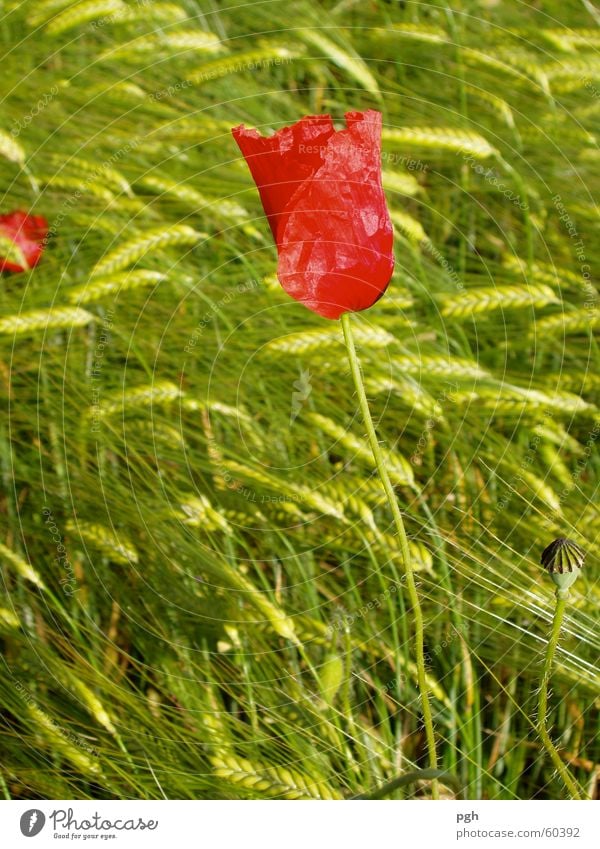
(322,194)
(27,233)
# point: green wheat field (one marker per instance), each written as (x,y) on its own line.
(202,595)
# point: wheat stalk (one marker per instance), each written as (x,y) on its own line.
(57,318)
(117,548)
(154,240)
(21,566)
(440,138)
(273,781)
(490,298)
(82,13)
(98,288)
(11,149)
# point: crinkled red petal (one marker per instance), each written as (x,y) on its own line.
(321,191)
(279,163)
(28,232)
(335,238)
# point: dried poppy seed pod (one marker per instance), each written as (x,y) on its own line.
(563,559)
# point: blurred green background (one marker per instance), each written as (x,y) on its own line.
(201,590)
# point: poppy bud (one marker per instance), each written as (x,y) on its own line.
(563,559)
(22,240)
(321,191)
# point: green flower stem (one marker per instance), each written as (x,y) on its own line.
(410,778)
(410,576)
(559,612)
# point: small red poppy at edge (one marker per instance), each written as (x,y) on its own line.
(22,240)
(322,194)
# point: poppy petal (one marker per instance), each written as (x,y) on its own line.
(279,163)
(28,234)
(321,191)
(335,237)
